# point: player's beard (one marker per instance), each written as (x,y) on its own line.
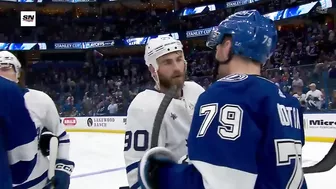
(169,82)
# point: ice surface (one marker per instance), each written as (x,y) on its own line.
(100,164)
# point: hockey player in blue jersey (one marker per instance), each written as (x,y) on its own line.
(18,136)
(245,133)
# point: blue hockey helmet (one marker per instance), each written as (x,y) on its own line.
(253,35)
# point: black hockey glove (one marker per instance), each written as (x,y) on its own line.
(45,141)
(150,164)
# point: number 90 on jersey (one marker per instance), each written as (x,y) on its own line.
(138,140)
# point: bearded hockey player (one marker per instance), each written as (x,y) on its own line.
(18,138)
(245,133)
(44,114)
(166,62)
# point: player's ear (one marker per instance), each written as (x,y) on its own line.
(151,69)
(227,46)
(21,78)
(227,42)
(153,73)
(20,73)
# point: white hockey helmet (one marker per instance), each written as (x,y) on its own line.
(8,58)
(158,47)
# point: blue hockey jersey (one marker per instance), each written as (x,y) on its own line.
(246,134)
(18,136)
(5,175)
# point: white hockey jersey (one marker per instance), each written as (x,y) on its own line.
(43,112)
(174,130)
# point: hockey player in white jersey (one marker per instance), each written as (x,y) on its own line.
(44,114)
(166,62)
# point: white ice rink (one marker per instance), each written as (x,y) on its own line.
(100,164)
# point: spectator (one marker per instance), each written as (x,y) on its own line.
(314,98)
(332,104)
(301,97)
(113,107)
(297,83)
(304,54)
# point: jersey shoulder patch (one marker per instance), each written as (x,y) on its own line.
(234,78)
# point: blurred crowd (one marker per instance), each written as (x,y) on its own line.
(107,23)
(303,65)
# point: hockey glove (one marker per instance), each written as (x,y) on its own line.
(45,141)
(150,163)
(63,171)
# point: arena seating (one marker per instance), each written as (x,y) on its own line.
(305,54)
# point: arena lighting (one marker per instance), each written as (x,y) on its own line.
(213,7)
(277,15)
(238,3)
(291,12)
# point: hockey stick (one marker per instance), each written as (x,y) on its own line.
(160,115)
(327,163)
(53,149)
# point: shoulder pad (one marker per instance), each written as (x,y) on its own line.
(234,78)
(147,99)
(38,94)
(192,85)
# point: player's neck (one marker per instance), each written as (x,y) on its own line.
(239,66)
(8,78)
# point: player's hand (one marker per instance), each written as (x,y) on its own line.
(150,164)
(63,171)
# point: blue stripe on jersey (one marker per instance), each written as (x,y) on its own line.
(5,174)
(132,166)
(135,186)
(64,141)
(18,167)
(33,182)
(12,140)
(21,116)
(62,135)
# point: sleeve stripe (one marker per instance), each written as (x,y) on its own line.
(133,166)
(25,152)
(33,182)
(65,137)
(63,134)
(135,186)
(64,141)
(21,170)
(224,177)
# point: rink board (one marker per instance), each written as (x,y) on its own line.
(319,127)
